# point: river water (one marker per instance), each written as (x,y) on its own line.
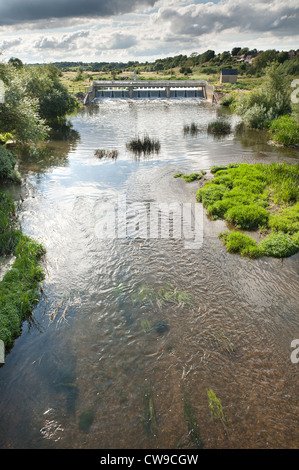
(104,351)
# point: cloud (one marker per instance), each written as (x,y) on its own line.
(9,44)
(21,11)
(66,41)
(279,17)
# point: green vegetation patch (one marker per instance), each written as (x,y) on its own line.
(20,287)
(7,166)
(285,131)
(219,127)
(191,177)
(256,196)
(144,145)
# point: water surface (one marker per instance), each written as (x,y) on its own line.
(94,350)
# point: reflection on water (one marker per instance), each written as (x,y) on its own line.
(131,333)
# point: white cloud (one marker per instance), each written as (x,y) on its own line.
(172,27)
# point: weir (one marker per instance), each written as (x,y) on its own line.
(154,89)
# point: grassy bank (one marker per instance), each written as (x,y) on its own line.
(20,286)
(256,197)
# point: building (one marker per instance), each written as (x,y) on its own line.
(229,76)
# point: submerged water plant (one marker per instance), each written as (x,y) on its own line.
(149,414)
(192,424)
(158,297)
(216,408)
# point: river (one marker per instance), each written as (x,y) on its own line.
(103,350)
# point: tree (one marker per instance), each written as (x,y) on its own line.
(15,62)
(264,59)
(235,51)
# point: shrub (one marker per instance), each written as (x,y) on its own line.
(248,217)
(210,193)
(279,245)
(7,165)
(239,243)
(285,131)
(227,100)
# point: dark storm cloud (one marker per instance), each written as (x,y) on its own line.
(21,11)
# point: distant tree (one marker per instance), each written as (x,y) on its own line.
(15,62)
(225,56)
(282,57)
(264,59)
(235,51)
(207,56)
(243,51)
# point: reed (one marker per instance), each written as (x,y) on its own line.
(145,145)
(103,153)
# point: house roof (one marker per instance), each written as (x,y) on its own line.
(229,72)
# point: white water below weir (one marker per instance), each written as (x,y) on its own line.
(154,89)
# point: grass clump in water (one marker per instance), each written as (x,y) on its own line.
(191,129)
(20,287)
(219,127)
(191,177)
(103,153)
(144,145)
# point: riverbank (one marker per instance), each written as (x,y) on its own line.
(20,285)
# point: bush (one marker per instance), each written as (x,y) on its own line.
(227,100)
(279,245)
(7,163)
(285,131)
(248,217)
(239,243)
(210,193)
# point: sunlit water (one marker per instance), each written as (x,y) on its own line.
(93,350)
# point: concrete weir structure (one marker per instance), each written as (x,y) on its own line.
(149,89)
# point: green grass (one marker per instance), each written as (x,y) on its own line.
(20,287)
(253,197)
(285,131)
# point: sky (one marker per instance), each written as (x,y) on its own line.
(142,30)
